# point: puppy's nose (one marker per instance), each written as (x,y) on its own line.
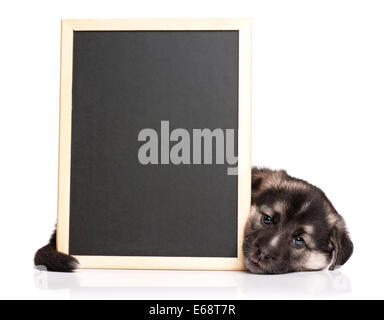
(264,255)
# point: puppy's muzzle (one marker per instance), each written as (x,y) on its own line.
(263,256)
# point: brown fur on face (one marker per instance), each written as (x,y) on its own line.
(292,227)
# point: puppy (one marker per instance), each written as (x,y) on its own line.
(292,227)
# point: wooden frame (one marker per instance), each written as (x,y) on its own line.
(244,139)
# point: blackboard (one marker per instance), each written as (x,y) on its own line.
(125,79)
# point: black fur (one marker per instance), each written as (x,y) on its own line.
(49,257)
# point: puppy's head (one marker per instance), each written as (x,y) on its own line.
(292,227)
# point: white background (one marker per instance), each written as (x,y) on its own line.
(318,101)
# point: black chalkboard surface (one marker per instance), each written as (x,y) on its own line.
(130,82)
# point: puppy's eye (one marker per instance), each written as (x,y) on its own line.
(266,219)
(298,242)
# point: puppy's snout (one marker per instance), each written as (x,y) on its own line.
(263,251)
(264,255)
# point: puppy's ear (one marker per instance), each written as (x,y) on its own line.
(258,176)
(342,246)
(256,182)
(263,178)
